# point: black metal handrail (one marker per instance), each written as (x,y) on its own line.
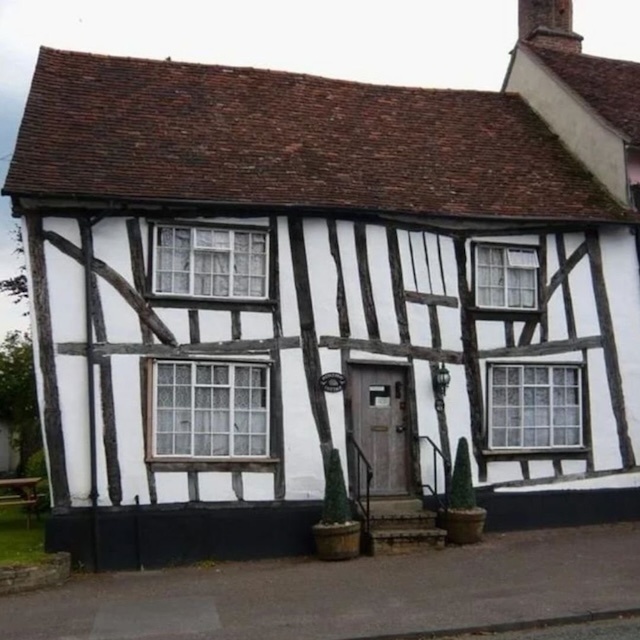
(360,461)
(446,464)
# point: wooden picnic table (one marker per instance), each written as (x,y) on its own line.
(24,493)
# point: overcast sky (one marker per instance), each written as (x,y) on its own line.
(462,44)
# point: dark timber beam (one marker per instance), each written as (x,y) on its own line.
(50,409)
(128,293)
(614,378)
(310,353)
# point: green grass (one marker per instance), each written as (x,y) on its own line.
(19,545)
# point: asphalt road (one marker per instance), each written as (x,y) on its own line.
(618,629)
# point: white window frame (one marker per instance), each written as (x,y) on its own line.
(232,366)
(521,406)
(512,256)
(193,230)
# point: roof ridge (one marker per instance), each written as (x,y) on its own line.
(263,70)
(572,54)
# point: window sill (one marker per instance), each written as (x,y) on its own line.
(194,302)
(518,315)
(256,465)
(528,454)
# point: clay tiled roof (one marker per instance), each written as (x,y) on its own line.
(97,126)
(611,87)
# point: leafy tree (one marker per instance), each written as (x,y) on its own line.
(16,287)
(18,400)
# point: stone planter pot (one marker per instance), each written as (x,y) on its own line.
(464,526)
(337,541)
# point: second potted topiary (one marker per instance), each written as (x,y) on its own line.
(337,535)
(464,519)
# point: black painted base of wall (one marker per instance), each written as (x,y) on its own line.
(168,535)
(160,536)
(549,509)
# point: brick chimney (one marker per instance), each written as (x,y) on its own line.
(548,23)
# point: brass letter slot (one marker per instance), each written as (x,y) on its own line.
(380,427)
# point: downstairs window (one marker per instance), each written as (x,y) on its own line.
(534,406)
(210,409)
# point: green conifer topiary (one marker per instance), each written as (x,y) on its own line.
(462,495)
(336,504)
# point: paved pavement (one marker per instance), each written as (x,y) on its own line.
(510,580)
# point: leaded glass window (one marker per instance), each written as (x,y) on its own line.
(533,406)
(506,277)
(208,409)
(210,262)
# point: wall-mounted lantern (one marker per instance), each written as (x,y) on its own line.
(441,381)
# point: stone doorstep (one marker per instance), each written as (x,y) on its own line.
(387,506)
(414,520)
(388,542)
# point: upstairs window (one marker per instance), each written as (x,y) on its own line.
(534,406)
(210,263)
(506,277)
(210,410)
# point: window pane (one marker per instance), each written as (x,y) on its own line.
(220,445)
(204,238)
(483,255)
(513,375)
(164,444)
(542,375)
(258,422)
(165,396)
(500,417)
(183,421)
(203,374)
(220,263)
(221,239)
(241,424)
(203,398)
(513,397)
(241,286)
(183,374)
(202,445)
(499,375)
(181,283)
(514,437)
(241,242)
(165,237)
(182,238)
(258,242)
(242,376)
(242,398)
(256,287)
(499,437)
(241,265)
(258,445)
(221,375)
(220,286)
(182,444)
(202,421)
(499,396)
(221,398)
(241,445)
(164,282)
(221,421)
(165,420)
(183,397)
(258,399)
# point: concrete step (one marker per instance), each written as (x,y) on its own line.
(412,520)
(386,506)
(398,541)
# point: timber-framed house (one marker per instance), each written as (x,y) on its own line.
(205,244)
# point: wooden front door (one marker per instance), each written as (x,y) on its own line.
(380,425)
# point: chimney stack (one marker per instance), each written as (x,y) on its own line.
(548,23)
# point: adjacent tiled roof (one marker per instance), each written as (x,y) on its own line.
(97,126)
(611,87)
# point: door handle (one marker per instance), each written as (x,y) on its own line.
(401,428)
